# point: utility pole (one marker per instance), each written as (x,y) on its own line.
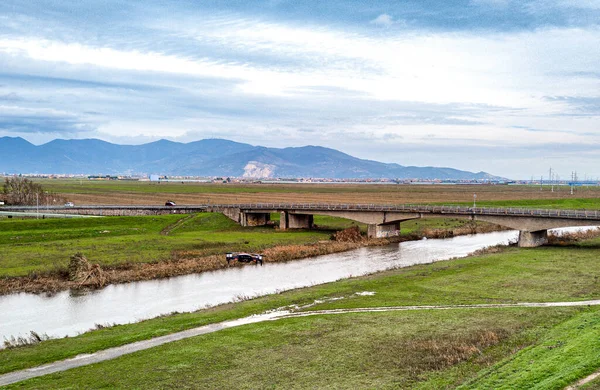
(550,178)
(541,182)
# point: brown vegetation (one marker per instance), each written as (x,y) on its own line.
(86,274)
(83,275)
(21,341)
(470,227)
(491,249)
(439,353)
(181,263)
(570,238)
(352,234)
(24,192)
(323,193)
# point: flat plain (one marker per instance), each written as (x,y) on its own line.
(144,192)
(512,348)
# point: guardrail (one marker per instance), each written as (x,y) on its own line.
(461,210)
(510,211)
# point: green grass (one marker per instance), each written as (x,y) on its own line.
(29,246)
(519,275)
(384,350)
(567,353)
(566,204)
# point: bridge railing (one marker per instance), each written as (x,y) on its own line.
(443,209)
(429,209)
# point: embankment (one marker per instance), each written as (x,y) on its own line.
(184,262)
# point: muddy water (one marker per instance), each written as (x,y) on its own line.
(70,313)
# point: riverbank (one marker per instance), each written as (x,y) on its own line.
(441,349)
(195,260)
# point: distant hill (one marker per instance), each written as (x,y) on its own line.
(209,157)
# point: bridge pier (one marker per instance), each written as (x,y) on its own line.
(384,230)
(255,219)
(532,239)
(295,221)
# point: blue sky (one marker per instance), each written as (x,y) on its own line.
(508,87)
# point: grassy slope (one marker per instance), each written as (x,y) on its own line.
(385,350)
(567,353)
(28,246)
(541,274)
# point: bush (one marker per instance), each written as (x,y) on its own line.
(19,191)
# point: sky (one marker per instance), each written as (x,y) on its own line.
(507,87)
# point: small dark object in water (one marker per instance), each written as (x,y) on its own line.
(244,258)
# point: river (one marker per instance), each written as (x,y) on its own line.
(70,313)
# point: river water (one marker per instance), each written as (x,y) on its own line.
(70,313)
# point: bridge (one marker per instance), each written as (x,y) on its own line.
(382,220)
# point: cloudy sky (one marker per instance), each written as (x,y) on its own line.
(508,87)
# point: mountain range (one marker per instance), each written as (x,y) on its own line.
(209,157)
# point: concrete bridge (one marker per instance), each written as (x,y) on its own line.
(382,220)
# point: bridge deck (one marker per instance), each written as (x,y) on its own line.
(458,210)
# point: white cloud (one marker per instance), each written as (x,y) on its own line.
(384,20)
(284,68)
(512,70)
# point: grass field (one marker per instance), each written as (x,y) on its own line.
(32,246)
(490,348)
(131,192)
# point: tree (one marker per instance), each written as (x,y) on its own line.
(19,191)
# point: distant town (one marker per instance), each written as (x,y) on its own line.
(304,180)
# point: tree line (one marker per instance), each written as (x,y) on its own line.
(19,191)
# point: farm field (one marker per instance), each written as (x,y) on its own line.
(474,348)
(132,192)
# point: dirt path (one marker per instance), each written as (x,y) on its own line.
(583,381)
(112,353)
(173,226)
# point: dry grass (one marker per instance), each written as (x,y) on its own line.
(469,228)
(22,341)
(423,354)
(351,234)
(571,238)
(181,263)
(324,193)
(184,262)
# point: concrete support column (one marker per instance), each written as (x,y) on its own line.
(382,231)
(232,213)
(255,219)
(295,221)
(283,221)
(532,239)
